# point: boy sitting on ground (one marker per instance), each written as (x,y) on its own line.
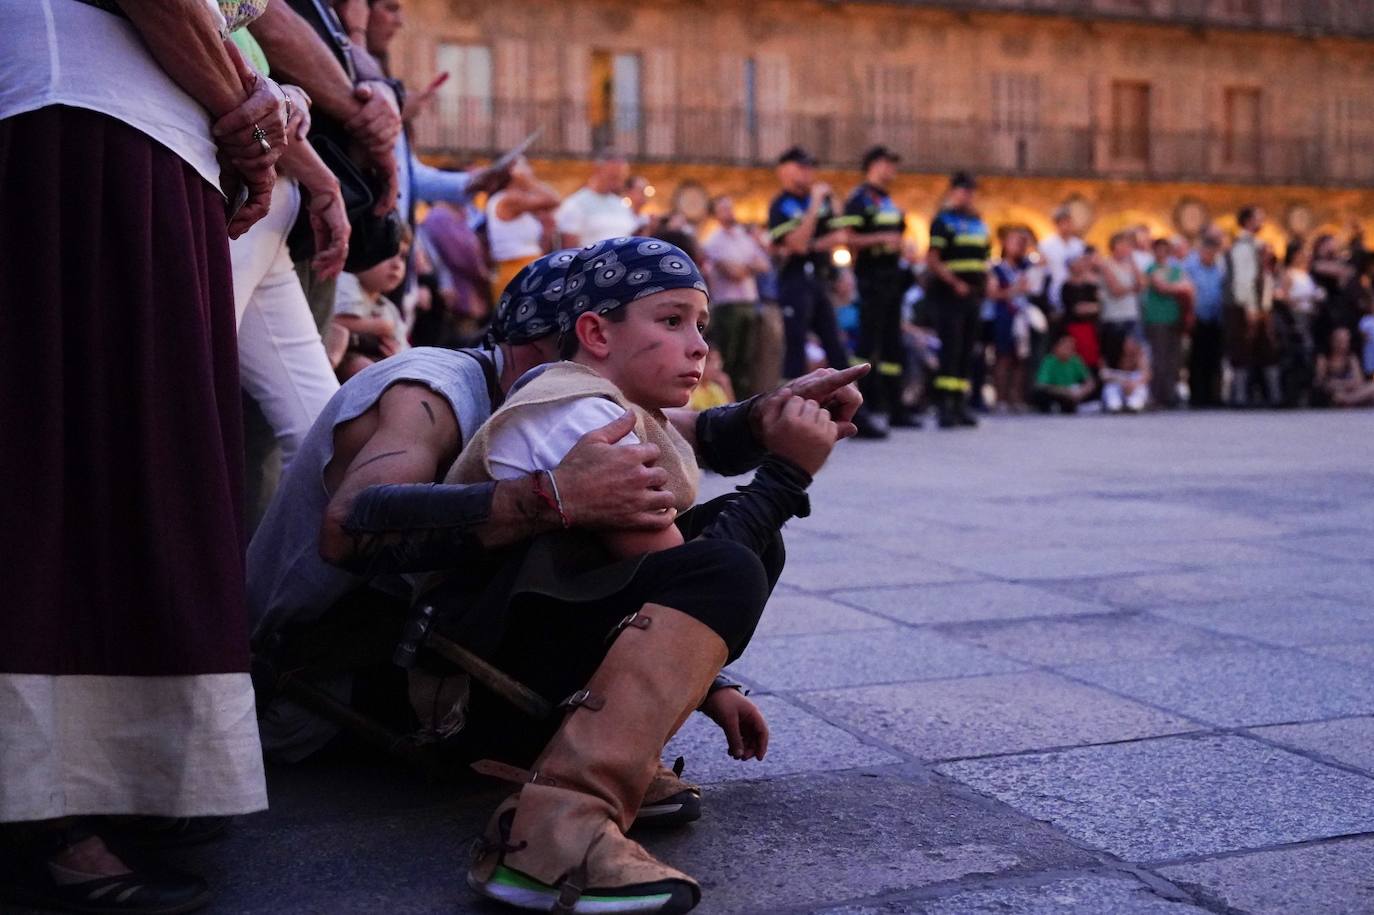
(633,315)
(1063,380)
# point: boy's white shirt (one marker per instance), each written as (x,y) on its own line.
(544,434)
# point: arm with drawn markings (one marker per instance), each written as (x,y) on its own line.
(388,514)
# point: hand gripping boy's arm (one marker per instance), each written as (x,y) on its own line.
(388,515)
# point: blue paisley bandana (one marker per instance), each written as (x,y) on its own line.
(551,293)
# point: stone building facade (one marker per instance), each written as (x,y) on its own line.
(1168,112)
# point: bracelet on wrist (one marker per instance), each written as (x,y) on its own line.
(552,501)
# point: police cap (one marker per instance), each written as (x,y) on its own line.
(879,152)
(798,155)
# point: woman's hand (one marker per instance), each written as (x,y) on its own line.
(329,223)
(298,123)
(258,182)
(746,731)
(253,135)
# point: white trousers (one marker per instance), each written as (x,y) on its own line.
(282,363)
(1114,397)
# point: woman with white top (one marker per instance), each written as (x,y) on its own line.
(124,684)
(1122,285)
(519,220)
(1301,292)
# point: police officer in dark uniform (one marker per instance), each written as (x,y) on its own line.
(957,265)
(876,225)
(803,228)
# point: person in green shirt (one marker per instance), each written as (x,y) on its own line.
(1062,380)
(1167,288)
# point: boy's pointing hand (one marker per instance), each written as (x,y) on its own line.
(834,389)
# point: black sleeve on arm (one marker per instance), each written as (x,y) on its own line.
(759,509)
(416,527)
(725,439)
(722,681)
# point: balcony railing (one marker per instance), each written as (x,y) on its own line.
(463,128)
(1354,18)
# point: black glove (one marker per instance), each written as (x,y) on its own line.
(416,527)
(758,510)
(725,439)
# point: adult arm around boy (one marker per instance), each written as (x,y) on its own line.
(387,513)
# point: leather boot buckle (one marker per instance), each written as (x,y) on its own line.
(633,621)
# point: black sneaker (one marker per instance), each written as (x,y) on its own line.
(904,419)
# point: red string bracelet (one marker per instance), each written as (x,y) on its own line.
(552,501)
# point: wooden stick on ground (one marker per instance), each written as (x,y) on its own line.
(508,688)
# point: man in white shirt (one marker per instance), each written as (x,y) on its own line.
(1059,250)
(733,259)
(598,211)
(1242,291)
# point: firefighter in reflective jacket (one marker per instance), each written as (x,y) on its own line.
(876,225)
(957,276)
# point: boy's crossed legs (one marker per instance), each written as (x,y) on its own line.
(687,612)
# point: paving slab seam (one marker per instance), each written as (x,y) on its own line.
(1257,849)
(1229,636)
(863,737)
(995,805)
(946,888)
(1310,755)
(916,769)
(1203,724)
(1204,728)
(1064,748)
(1267,539)
(768,691)
(1312,649)
(898,586)
(1062,587)
(933,625)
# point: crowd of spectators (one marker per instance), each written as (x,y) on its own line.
(1152,323)
(279,121)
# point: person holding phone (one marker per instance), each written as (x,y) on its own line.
(519,223)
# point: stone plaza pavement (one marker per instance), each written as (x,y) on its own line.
(1055,665)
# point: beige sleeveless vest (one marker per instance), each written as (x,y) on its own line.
(564,382)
